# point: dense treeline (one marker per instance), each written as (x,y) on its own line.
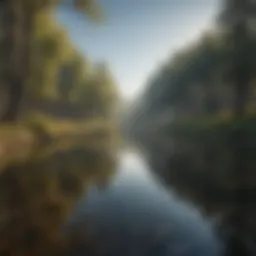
(58,79)
(197,123)
(193,83)
(63,138)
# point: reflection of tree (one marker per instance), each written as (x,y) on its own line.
(48,162)
(210,88)
(236,17)
(39,195)
(52,165)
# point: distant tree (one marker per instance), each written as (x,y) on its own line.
(195,67)
(98,92)
(205,70)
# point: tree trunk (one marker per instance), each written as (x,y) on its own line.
(18,24)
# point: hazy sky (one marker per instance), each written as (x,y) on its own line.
(138,35)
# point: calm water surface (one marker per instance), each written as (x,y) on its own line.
(137,216)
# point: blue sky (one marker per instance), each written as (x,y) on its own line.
(138,35)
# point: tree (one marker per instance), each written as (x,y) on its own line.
(205,68)
(236,18)
(192,72)
(97,93)
(18,27)
(219,158)
(61,80)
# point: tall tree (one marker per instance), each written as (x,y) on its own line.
(18,27)
(236,18)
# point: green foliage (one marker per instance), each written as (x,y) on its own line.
(34,49)
(52,79)
(61,78)
(197,122)
(194,82)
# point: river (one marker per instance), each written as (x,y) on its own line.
(136,216)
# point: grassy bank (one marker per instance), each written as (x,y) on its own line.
(45,167)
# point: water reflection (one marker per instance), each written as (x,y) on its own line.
(136,216)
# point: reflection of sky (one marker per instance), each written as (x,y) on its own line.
(135,217)
(139,34)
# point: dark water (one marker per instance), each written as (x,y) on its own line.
(136,216)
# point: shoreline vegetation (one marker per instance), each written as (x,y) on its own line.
(20,142)
(58,131)
(197,120)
